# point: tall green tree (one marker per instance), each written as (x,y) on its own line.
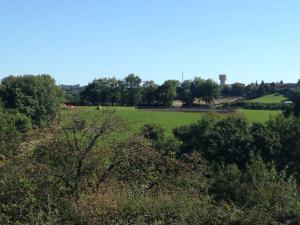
(185,93)
(250,91)
(122,87)
(211,91)
(167,92)
(238,89)
(149,92)
(196,88)
(96,92)
(114,94)
(38,97)
(133,89)
(261,89)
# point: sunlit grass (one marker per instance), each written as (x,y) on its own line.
(167,120)
(273,98)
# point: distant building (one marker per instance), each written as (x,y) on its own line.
(222,78)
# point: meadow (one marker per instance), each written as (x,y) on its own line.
(168,120)
(271,99)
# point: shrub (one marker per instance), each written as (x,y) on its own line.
(14,127)
(227,140)
(153,132)
(259,191)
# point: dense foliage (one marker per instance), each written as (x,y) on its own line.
(37,97)
(130,91)
(14,127)
(255,90)
(234,141)
(71,93)
(296,100)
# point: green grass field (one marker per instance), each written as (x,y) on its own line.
(273,98)
(260,116)
(169,120)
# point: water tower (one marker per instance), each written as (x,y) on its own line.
(222,78)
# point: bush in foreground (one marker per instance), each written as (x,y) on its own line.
(85,172)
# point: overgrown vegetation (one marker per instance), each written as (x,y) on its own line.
(78,170)
(84,172)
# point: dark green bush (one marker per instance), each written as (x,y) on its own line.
(153,132)
(259,190)
(14,127)
(227,140)
(35,96)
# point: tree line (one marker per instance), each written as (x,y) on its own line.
(131,91)
(255,90)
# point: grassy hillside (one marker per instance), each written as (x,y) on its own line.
(168,120)
(272,98)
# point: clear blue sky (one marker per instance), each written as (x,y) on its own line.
(78,40)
